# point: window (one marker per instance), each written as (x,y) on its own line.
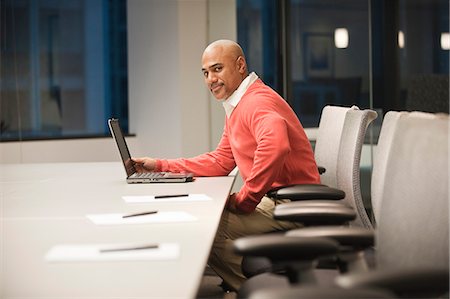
(63,68)
(258,26)
(382,54)
(328,56)
(310,69)
(411,65)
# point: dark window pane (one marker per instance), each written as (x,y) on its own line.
(63,68)
(258,34)
(423,61)
(291,45)
(328,68)
(410,66)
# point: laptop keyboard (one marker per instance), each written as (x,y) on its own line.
(148,175)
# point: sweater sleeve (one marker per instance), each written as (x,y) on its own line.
(271,135)
(219,162)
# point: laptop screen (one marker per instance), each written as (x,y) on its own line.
(116,131)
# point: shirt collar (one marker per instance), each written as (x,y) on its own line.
(233,100)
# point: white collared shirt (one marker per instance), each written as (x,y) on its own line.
(233,100)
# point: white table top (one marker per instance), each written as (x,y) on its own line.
(45,205)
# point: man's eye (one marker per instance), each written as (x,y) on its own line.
(218,68)
(205,74)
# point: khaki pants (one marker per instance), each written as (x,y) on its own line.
(233,226)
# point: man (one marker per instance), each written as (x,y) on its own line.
(263,137)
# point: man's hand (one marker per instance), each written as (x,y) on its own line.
(231,204)
(144,164)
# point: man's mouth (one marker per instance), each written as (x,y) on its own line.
(215,87)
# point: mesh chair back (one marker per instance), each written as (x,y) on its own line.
(380,158)
(329,135)
(348,167)
(413,226)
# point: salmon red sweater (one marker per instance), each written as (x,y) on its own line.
(266,141)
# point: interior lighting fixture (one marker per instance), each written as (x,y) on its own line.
(341,38)
(401,39)
(445,41)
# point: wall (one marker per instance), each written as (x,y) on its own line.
(154,76)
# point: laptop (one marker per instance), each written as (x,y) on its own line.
(146,177)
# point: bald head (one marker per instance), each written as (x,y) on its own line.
(228,46)
(224,67)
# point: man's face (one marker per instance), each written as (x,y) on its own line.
(222,71)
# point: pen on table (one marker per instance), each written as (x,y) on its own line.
(172,195)
(139,214)
(150,246)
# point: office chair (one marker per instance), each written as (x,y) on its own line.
(358,260)
(342,235)
(413,213)
(326,154)
(322,212)
(347,173)
(348,178)
(412,237)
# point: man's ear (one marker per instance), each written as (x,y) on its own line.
(242,65)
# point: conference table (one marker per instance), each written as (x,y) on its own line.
(63,234)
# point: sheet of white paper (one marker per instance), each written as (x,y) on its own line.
(92,253)
(151,198)
(160,217)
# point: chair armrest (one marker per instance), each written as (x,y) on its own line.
(417,281)
(318,293)
(279,248)
(356,237)
(306,192)
(315,215)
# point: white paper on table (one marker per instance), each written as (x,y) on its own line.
(160,217)
(92,253)
(151,198)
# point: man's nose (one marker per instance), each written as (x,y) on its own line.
(212,78)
